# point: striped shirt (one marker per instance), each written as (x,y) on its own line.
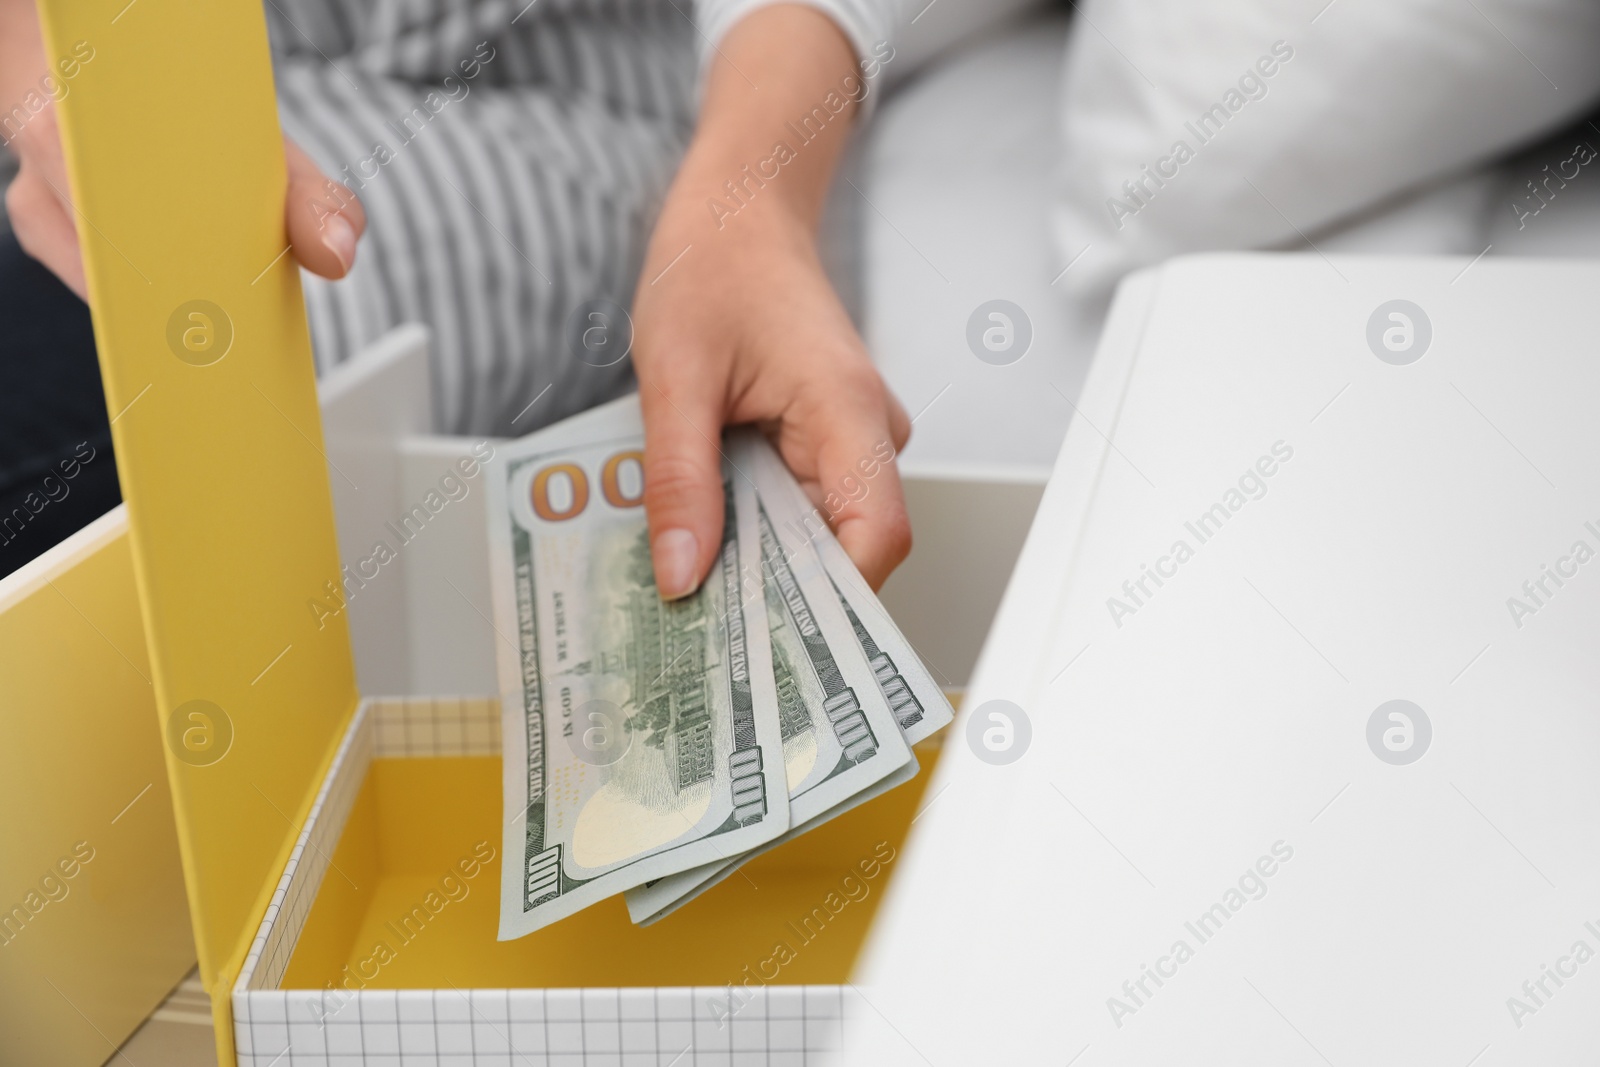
(511,159)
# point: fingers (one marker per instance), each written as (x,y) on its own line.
(857,461)
(683,494)
(324,217)
(45,230)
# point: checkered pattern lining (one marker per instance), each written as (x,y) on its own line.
(389,728)
(445,726)
(308,862)
(772,1026)
(778,1026)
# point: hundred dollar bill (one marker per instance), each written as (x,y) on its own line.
(641,737)
(916,702)
(838,734)
(915,698)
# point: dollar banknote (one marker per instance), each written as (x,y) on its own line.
(901,686)
(838,734)
(641,737)
(915,698)
(652,747)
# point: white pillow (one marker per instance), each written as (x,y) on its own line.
(1192,126)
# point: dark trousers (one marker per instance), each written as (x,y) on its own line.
(56,467)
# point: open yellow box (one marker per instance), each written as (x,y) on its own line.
(339,854)
(380,939)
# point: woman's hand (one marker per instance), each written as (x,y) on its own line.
(745,328)
(324,218)
(735,322)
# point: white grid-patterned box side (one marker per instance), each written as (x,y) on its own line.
(308,862)
(731,1026)
(682,1027)
(441,726)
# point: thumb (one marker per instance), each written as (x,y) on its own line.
(683,494)
(324,217)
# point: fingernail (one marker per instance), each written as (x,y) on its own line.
(340,238)
(674,553)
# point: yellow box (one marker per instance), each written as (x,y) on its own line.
(94,931)
(380,939)
(314,826)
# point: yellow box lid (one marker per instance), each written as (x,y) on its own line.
(175,158)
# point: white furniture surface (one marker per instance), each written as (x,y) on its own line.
(1209,765)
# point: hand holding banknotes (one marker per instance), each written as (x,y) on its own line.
(735,321)
(653,746)
(699,670)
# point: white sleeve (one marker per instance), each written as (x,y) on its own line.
(891,38)
(871,26)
